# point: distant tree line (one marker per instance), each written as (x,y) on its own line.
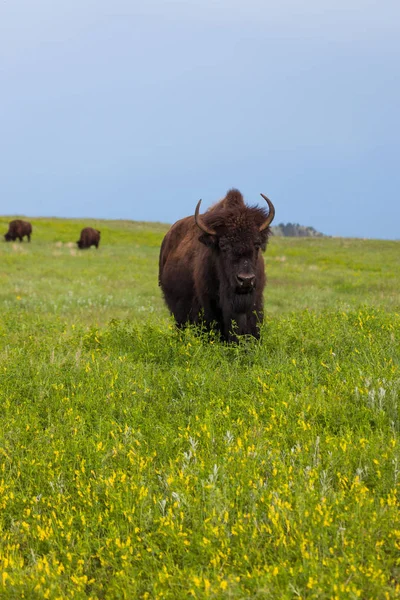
(295,230)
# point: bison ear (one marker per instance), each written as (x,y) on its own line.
(211,241)
(264,239)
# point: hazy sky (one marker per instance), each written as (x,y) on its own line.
(126,109)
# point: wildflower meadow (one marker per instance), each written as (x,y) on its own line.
(142,462)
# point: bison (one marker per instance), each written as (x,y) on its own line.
(18,229)
(89,237)
(211,268)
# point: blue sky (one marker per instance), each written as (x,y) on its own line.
(125,109)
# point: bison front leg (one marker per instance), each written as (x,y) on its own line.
(186,311)
(211,315)
(232,328)
(255,320)
(243,324)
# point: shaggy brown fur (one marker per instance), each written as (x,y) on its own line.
(89,237)
(18,229)
(217,279)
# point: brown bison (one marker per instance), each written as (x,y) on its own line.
(18,229)
(89,237)
(211,268)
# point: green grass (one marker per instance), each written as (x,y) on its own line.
(141,462)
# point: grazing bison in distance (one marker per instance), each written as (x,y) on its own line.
(211,267)
(18,229)
(89,237)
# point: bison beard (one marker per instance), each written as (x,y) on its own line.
(211,270)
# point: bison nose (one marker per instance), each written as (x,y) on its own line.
(245,279)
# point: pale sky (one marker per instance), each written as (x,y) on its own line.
(125,109)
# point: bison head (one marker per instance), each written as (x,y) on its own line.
(236,235)
(8,236)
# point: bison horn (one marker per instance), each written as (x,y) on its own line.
(271,213)
(199,221)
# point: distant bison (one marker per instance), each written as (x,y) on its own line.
(89,237)
(211,267)
(18,229)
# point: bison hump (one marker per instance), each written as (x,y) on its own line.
(233,199)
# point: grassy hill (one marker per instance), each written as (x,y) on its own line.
(141,462)
(52,277)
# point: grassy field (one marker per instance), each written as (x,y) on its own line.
(141,462)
